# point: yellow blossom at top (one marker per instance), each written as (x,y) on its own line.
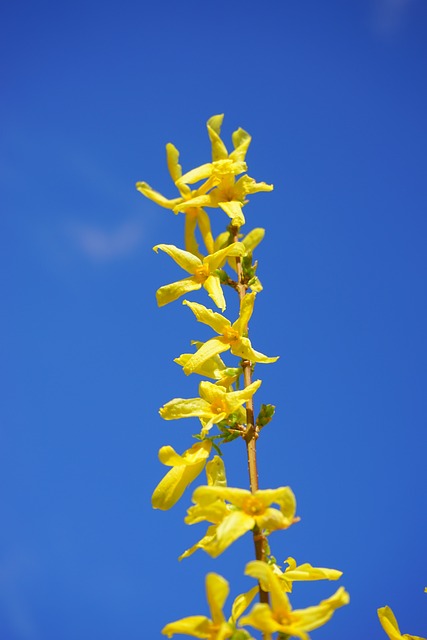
(185,468)
(280,617)
(236,511)
(390,626)
(228,194)
(231,336)
(195,215)
(203,273)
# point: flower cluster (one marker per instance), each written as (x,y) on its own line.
(224,406)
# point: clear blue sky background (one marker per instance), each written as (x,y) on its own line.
(334,94)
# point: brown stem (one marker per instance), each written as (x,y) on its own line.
(251,435)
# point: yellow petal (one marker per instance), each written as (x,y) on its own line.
(243,349)
(215,472)
(219,150)
(190,236)
(188,261)
(185,408)
(212,368)
(217,591)
(202,544)
(214,320)
(283,496)
(171,292)
(273,520)
(213,286)
(261,618)
(157,197)
(172,486)
(253,238)
(242,602)
(196,626)
(199,451)
(263,572)
(389,623)
(199,173)
(245,314)
(314,617)
(218,258)
(211,348)
(204,225)
(307,572)
(241,141)
(232,527)
(234,211)
(172,157)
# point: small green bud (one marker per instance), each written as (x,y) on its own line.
(265,415)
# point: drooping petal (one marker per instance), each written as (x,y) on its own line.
(283,496)
(213,286)
(196,626)
(188,261)
(214,320)
(211,348)
(172,486)
(185,408)
(189,234)
(217,591)
(234,211)
(253,238)
(204,543)
(157,197)
(232,527)
(243,349)
(213,368)
(171,292)
(215,472)
(204,225)
(273,520)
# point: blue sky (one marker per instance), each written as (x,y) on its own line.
(334,95)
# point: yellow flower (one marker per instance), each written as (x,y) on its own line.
(390,626)
(228,194)
(236,511)
(203,273)
(279,617)
(294,573)
(231,336)
(214,628)
(185,469)
(213,368)
(214,404)
(194,215)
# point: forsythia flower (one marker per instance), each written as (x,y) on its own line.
(228,194)
(244,511)
(203,273)
(390,626)
(185,469)
(304,571)
(216,628)
(279,617)
(194,215)
(214,405)
(231,336)
(213,368)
